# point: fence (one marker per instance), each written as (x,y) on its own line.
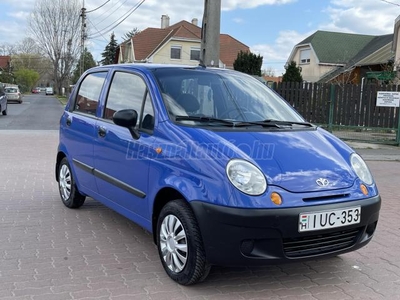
(349,111)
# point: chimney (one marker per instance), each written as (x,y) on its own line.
(195,21)
(164,21)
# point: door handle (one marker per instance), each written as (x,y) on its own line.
(69,121)
(102,131)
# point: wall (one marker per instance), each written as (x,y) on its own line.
(163,55)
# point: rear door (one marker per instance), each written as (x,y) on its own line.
(78,129)
(122,162)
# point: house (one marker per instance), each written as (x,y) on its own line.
(396,46)
(5,63)
(176,44)
(335,56)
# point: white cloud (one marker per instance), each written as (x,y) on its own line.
(364,17)
(238,20)
(276,54)
(234,4)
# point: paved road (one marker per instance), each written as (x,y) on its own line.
(50,252)
(37,112)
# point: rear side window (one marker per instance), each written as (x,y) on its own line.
(89,91)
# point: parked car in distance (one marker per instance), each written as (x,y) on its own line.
(3,101)
(49,91)
(13,94)
(215,165)
(35,90)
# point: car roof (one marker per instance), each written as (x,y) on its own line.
(149,66)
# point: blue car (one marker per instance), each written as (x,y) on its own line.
(218,167)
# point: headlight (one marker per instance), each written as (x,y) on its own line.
(360,167)
(246,177)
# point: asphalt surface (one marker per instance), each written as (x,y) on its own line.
(50,252)
(36,112)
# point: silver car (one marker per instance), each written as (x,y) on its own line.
(3,101)
(13,94)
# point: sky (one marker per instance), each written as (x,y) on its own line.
(270,28)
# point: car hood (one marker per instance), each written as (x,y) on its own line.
(294,160)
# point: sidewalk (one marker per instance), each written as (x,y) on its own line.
(376,152)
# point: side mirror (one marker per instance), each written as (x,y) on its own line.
(127,118)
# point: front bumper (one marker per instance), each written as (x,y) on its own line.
(237,236)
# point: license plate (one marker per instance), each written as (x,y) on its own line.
(329,219)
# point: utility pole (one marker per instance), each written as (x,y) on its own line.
(210,33)
(83,37)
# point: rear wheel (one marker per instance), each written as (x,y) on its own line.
(70,195)
(180,245)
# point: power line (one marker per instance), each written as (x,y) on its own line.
(98,7)
(97,30)
(111,13)
(107,29)
(390,2)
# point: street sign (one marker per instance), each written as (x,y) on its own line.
(388,99)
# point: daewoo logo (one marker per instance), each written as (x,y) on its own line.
(322,182)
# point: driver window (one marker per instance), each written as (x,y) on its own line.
(127,91)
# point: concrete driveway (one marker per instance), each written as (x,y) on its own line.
(50,252)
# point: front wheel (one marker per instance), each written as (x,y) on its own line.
(180,245)
(70,195)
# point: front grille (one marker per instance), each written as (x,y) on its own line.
(320,244)
(330,197)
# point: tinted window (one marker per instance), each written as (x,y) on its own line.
(127,91)
(89,92)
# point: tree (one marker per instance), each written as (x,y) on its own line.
(130,34)
(88,62)
(293,73)
(268,72)
(26,78)
(35,62)
(110,52)
(55,26)
(248,63)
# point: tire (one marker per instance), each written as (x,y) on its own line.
(4,112)
(69,194)
(180,245)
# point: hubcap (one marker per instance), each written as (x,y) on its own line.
(64,182)
(173,243)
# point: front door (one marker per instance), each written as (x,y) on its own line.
(122,162)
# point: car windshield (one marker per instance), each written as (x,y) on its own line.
(198,95)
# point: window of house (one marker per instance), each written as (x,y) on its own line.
(176,52)
(305,56)
(195,54)
(89,92)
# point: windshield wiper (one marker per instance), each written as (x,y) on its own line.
(255,123)
(204,119)
(265,123)
(287,123)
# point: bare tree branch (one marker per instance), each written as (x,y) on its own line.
(55,25)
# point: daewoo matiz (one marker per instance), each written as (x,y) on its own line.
(219,168)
